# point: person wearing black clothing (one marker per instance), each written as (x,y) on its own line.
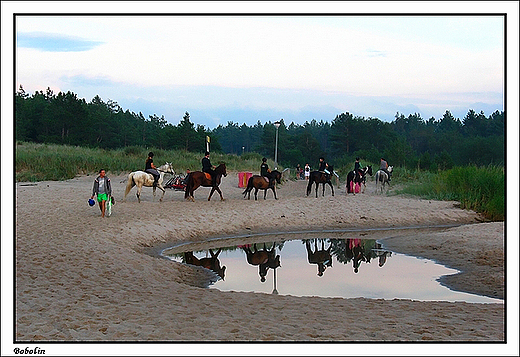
(357,165)
(264,170)
(323,166)
(151,169)
(207,167)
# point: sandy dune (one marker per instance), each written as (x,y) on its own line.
(83,278)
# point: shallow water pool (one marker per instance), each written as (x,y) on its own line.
(325,267)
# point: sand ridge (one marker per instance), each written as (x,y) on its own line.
(83,278)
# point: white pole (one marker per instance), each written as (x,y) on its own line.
(276,150)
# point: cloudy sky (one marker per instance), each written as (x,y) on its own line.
(247,68)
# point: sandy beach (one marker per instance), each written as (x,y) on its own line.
(83,278)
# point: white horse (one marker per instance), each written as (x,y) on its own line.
(141,178)
(382,178)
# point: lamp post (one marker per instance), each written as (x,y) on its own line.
(275,292)
(277,125)
(243,147)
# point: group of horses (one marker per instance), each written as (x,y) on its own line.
(359,177)
(257,182)
(193,181)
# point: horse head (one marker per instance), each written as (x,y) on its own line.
(390,168)
(369,170)
(167,168)
(277,175)
(221,170)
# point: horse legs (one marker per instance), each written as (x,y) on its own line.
(331,187)
(139,193)
(317,185)
(211,192)
(274,192)
(256,194)
(163,192)
(219,192)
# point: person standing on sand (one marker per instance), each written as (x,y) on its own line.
(103,189)
(307,171)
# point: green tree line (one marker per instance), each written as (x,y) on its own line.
(63,118)
(408,141)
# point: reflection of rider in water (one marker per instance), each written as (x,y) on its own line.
(357,251)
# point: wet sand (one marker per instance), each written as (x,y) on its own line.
(83,278)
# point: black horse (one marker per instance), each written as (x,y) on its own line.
(260,183)
(318,177)
(358,177)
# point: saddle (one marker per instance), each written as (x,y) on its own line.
(208,176)
(266,179)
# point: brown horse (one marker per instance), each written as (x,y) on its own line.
(209,263)
(318,177)
(199,178)
(265,259)
(320,257)
(260,183)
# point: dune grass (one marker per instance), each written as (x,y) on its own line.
(50,162)
(477,188)
(481,189)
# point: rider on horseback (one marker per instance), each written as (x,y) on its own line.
(151,169)
(207,167)
(357,168)
(323,166)
(384,167)
(265,171)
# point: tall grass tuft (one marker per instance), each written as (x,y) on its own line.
(478,188)
(50,162)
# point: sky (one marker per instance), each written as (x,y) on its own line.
(248,68)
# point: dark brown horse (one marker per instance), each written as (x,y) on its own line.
(199,178)
(318,177)
(320,257)
(209,263)
(265,259)
(260,183)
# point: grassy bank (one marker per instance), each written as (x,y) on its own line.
(477,188)
(49,162)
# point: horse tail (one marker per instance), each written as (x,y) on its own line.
(309,185)
(249,186)
(189,185)
(130,183)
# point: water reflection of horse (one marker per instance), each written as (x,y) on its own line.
(212,263)
(382,178)
(318,177)
(358,177)
(265,259)
(141,178)
(199,178)
(321,257)
(260,183)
